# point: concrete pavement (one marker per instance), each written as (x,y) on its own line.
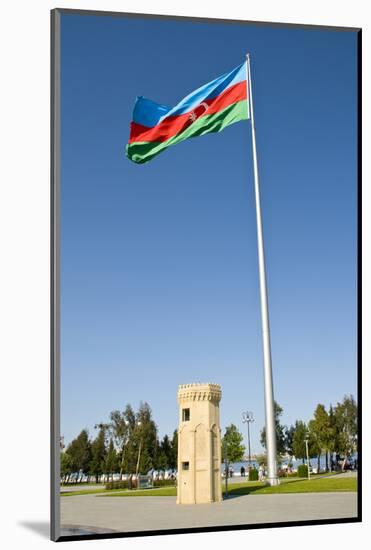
(95,514)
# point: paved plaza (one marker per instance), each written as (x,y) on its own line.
(95,514)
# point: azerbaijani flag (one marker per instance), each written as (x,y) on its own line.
(210,108)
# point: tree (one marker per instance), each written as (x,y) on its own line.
(121,426)
(66,464)
(144,439)
(111,460)
(280,431)
(79,451)
(98,455)
(314,443)
(346,425)
(289,436)
(320,428)
(167,452)
(161,460)
(123,429)
(333,439)
(298,442)
(173,463)
(164,452)
(232,448)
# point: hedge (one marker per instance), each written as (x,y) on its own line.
(303,470)
(125,484)
(164,482)
(120,485)
(253,474)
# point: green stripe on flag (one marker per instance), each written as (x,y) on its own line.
(143,151)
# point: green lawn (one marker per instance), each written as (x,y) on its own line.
(315,485)
(160,492)
(83,492)
(290,485)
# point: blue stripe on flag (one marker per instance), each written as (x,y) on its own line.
(148,113)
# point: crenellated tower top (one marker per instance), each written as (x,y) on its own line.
(199,392)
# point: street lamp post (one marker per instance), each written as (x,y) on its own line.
(126,439)
(139,451)
(226,467)
(248,417)
(346,431)
(306,448)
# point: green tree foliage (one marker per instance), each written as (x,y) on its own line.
(142,441)
(289,436)
(346,426)
(298,443)
(119,427)
(164,454)
(129,450)
(232,447)
(314,443)
(321,431)
(161,462)
(167,452)
(122,425)
(165,448)
(328,432)
(133,435)
(280,431)
(79,451)
(66,464)
(98,455)
(173,461)
(111,462)
(333,440)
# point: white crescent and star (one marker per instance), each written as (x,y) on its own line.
(193,116)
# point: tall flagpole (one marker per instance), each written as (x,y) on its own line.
(270,424)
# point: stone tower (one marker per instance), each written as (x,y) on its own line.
(199,445)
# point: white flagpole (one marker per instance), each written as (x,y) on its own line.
(270,424)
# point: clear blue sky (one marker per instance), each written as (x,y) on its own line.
(159,272)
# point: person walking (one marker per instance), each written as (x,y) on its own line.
(261,472)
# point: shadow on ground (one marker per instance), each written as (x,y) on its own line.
(42,528)
(78,530)
(248,489)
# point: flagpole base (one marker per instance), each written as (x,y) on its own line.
(272,482)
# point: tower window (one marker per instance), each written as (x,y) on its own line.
(185,415)
(185,465)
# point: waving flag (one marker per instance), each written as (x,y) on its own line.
(210,108)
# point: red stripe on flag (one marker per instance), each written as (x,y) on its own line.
(173,125)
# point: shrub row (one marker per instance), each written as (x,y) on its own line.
(164,482)
(120,485)
(303,470)
(254,474)
(125,484)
